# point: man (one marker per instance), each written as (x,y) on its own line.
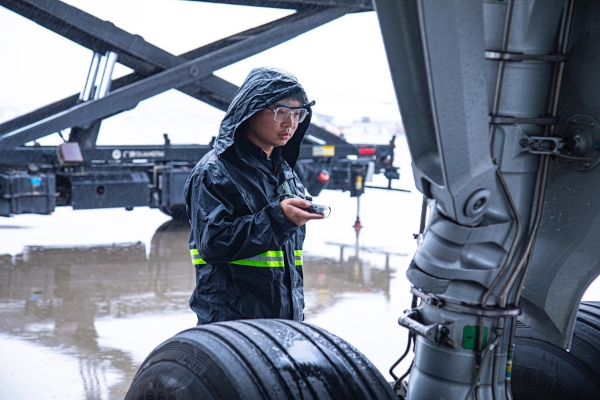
(244,204)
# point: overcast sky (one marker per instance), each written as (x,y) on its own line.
(342,65)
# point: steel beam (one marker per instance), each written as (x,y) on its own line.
(99,155)
(145,58)
(184,74)
(358,5)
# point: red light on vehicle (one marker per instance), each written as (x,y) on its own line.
(324,177)
(366,151)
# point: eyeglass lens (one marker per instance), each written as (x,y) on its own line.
(282,113)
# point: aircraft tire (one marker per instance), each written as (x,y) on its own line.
(257,359)
(542,370)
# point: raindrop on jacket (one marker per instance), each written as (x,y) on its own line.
(248,257)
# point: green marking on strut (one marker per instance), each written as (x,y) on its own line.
(470,337)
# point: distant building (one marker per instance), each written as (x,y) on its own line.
(366,129)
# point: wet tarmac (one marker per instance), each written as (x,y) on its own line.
(86,295)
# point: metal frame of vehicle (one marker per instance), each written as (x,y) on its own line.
(81,174)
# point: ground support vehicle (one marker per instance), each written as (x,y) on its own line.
(83,175)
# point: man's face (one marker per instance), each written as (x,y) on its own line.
(267,133)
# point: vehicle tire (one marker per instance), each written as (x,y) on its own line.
(542,370)
(176,212)
(257,359)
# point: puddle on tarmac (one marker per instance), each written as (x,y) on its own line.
(76,322)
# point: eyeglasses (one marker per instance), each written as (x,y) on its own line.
(282,113)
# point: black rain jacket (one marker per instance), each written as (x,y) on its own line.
(248,257)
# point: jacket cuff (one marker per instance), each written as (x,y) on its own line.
(280,224)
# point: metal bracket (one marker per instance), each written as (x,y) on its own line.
(408,321)
(430,299)
(519,57)
(511,120)
(542,144)
(402,390)
(466,308)
(436,332)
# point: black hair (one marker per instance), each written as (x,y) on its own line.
(294,94)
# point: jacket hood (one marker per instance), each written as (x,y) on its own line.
(262,87)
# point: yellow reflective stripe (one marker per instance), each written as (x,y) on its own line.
(261,264)
(196,259)
(298,257)
(271,259)
(271,253)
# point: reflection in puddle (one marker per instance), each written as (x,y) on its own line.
(106,307)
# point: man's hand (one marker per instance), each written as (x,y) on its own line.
(294,210)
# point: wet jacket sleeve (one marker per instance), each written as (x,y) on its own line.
(225,228)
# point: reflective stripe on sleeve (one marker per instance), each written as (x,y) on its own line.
(196,259)
(268,259)
(298,257)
